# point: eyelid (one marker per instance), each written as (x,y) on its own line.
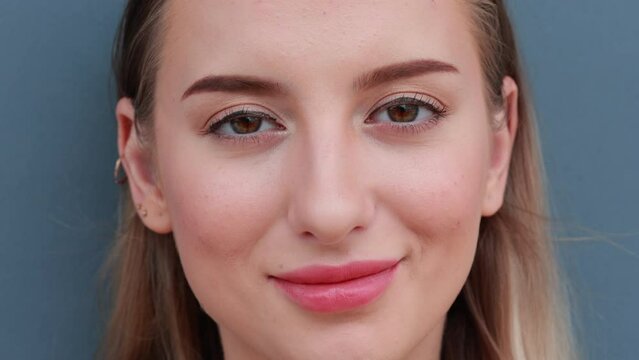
(220,116)
(239,109)
(388,100)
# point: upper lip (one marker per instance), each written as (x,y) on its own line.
(330,274)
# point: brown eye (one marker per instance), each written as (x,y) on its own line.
(403,112)
(408,111)
(246,124)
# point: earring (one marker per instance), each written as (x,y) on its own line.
(142,210)
(116,173)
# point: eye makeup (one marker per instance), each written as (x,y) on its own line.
(243,125)
(404,113)
(408,113)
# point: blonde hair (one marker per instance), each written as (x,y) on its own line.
(511,307)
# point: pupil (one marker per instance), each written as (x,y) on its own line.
(246,124)
(403,112)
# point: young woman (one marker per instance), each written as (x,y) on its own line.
(329,180)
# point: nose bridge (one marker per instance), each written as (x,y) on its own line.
(329,198)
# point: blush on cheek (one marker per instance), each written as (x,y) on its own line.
(209,229)
(442,210)
(438,205)
(222,216)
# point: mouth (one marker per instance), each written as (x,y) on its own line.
(323,288)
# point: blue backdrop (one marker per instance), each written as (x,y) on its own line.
(57,148)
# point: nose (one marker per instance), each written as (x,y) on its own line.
(329,196)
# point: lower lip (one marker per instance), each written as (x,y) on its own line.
(337,297)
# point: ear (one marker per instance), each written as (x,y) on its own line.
(146,191)
(502,139)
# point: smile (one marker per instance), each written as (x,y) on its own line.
(322,288)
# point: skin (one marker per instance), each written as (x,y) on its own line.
(328,186)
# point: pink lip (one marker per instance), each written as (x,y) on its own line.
(324,288)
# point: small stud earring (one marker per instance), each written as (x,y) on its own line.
(142,210)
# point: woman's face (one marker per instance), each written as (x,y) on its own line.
(323,166)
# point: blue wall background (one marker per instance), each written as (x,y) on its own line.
(57,148)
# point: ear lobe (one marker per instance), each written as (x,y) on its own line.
(502,140)
(137,161)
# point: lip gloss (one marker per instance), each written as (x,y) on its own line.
(323,288)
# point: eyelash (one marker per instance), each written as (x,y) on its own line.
(439,111)
(228,115)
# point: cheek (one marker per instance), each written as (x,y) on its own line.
(218,213)
(436,194)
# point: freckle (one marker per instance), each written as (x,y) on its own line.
(280,266)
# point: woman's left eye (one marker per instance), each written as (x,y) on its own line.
(408,112)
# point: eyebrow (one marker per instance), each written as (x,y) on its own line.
(401,70)
(259,86)
(234,84)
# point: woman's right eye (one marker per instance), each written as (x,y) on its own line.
(244,123)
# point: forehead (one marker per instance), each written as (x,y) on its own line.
(312,39)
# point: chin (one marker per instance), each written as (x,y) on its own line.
(357,335)
(341,346)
